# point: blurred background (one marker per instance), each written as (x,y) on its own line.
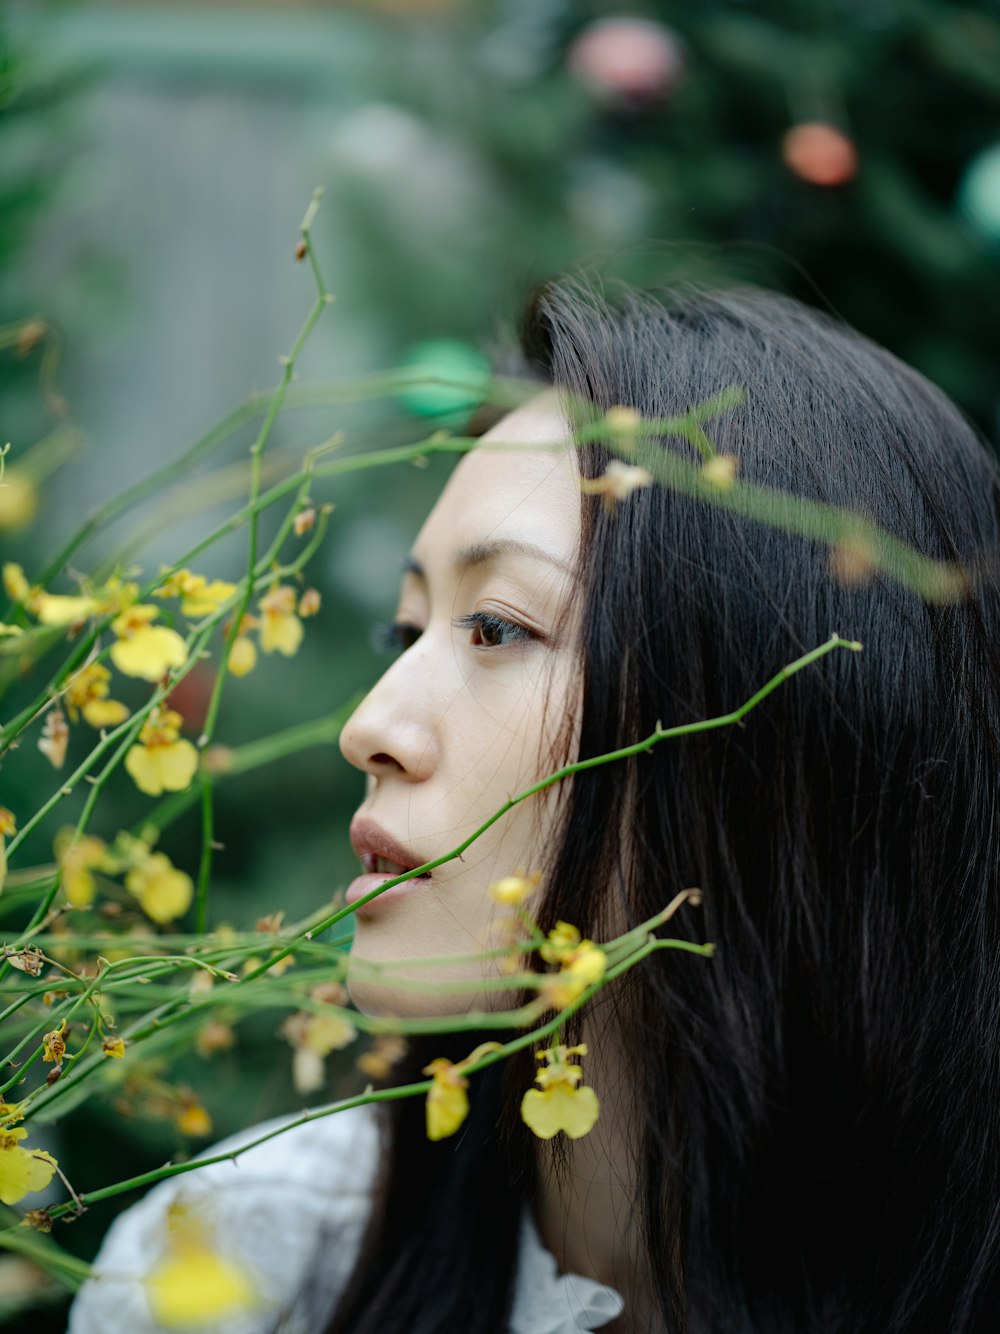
(155,162)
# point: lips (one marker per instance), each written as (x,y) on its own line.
(378,851)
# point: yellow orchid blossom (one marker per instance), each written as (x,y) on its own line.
(512,890)
(22,1171)
(142,649)
(447,1101)
(87,693)
(164,893)
(280,628)
(161,760)
(581,968)
(198,596)
(560,1102)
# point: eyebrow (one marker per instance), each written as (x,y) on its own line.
(482,553)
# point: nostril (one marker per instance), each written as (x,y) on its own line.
(383,759)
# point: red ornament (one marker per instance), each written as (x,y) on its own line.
(191,697)
(629,64)
(820,154)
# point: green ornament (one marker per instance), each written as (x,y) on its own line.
(455,377)
(979,192)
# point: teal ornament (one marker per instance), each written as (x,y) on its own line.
(450,378)
(979,192)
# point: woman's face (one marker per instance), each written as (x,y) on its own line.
(471,713)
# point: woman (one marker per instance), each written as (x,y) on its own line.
(799,1134)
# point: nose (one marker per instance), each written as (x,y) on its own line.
(393,731)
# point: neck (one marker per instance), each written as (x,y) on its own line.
(588,1213)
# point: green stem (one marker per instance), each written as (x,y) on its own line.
(323,299)
(207,845)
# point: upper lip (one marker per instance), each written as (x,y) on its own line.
(370,840)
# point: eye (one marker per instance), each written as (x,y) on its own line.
(492,631)
(395,636)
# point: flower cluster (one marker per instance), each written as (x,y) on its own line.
(315,1034)
(140,649)
(581,964)
(164,893)
(278,625)
(198,596)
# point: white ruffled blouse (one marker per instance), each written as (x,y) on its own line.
(266,1211)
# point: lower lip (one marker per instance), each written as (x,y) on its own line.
(366,883)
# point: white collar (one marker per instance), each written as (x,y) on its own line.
(547,1302)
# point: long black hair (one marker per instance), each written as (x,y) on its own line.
(816,1109)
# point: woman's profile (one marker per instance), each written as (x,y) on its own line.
(801,1134)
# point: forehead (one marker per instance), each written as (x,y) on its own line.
(519,484)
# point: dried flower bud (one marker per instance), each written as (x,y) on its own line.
(28,960)
(305,521)
(55,737)
(309,602)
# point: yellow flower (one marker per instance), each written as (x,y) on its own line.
(18,499)
(623,424)
(87,693)
(385,1052)
(164,893)
(145,650)
(560,1102)
(22,1170)
(720,471)
(161,762)
(280,629)
(580,969)
(15,584)
(58,609)
(199,597)
(242,656)
(563,939)
(512,890)
(113,1047)
(8,825)
(447,1100)
(192,1119)
(194,1285)
(78,862)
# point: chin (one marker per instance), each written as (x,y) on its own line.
(376,993)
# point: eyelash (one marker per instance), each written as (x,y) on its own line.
(398,636)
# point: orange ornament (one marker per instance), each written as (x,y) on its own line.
(820,154)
